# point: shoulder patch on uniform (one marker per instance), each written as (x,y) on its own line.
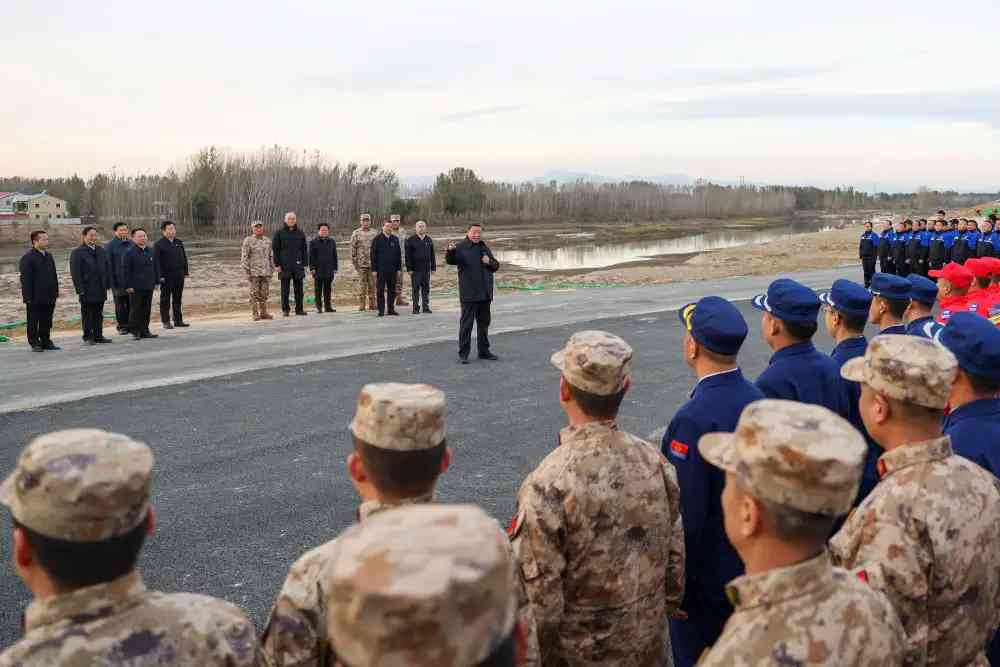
(679,449)
(514,527)
(863,575)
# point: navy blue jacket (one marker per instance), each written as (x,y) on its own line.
(115,250)
(975,432)
(869,245)
(842,353)
(140,270)
(801,373)
(925,327)
(893,330)
(90,270)
(715,406)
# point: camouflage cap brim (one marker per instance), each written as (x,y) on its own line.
(7,496)
(558,359)
(719,449)
(854,370)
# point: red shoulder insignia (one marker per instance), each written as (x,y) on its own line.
(679,449)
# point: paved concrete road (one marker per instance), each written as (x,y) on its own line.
(249,468)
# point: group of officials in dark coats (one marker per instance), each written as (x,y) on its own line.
(129,267)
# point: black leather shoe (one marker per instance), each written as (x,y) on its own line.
(489,356)
(393,312)
(89,341)
(381,314)
(168,325)
(427,311)
(463,360)
(37,348)
(123,331)
(149,334)
(102,339)
(416,311)
(331,310)
(183,325)
(301,312)
(137,336)
(49,345)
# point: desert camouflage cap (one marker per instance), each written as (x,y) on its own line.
(395,217)
(907,368)
(421,585)
(403,417)
(366,216)
(797,455)
(595,361)
(256,223)
(80,485)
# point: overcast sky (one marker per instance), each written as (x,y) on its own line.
(871,93)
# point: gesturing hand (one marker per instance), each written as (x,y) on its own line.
(485,259)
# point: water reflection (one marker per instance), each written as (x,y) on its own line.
(596,256)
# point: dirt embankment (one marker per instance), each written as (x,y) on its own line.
(217,287)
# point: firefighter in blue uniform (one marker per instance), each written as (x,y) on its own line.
(914,248)
(899,245)
(926,234)
(714,332)
(797,370)
(919,316)
(868,252)
(892,297)
(974,420)
(987,245)
(940,243)
(972,236)
(886,240)
(847,305)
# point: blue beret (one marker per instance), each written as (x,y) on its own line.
(975,342)
(891,287)
(922,290)
(789,301)
(848,297)
(715,323)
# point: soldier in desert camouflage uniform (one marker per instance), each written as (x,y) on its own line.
(791,469)
(361,258)
(80,504)
(423,585)
(257,261)
(399,451)
(929,534)
(597,533)
(400,233)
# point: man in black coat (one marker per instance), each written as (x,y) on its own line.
(387,261)
(420,263)
(291,256)
(115,249)
(476,266)
(323,266)
(172,259)
(39,291)
(90,268)
(140,276)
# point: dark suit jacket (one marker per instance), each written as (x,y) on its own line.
(475,279)
(420,254)
(323,256)
(39,282)
(290,251)
(91,272)
(386,255)
(140,270)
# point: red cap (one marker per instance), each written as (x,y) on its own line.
(956,274)
(994,265)
(979,267)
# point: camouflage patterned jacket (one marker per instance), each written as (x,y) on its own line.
(257,257)
(361,245)
(122,623)
(928,537)
(807,614)
(600,548)
(295,634)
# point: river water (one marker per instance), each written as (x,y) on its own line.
(601,255)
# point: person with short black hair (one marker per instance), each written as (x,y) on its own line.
(91,271)
(140,274)
(791,470)
(323,267)
(476,266)
(885,244)
(399,451)
(919,316)
(39,291)
(291,255)
(386,263)
(172,259)
(868,252)
(77,534)
(597,532)
(797,371)
(115,250)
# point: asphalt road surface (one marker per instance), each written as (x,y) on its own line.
(250,430)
